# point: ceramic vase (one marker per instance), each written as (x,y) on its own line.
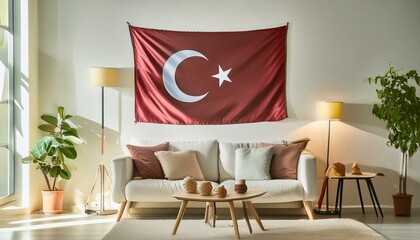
(221,191)
(240,186)
(205,188)
(190,185)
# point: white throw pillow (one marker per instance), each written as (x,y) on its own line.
(178,165)
(227,158)
(253,164)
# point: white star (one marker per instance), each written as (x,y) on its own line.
(222,76)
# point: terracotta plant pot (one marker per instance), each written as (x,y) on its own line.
(52,202)
(402,204)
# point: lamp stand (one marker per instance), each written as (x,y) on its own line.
(101,173)
(324,190)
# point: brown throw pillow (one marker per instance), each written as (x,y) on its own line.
(285,159)
(145,161)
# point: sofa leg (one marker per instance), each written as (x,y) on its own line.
(121,211)
(124,206)
(308,208)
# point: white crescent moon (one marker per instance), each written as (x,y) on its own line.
(168,75)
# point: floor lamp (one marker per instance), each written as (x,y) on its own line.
(330,111)
(102,77)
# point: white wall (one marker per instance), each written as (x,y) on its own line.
(332,46)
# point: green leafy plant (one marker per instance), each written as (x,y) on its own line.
(400,109)
(51,152)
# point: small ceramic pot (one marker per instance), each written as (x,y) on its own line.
(205,188)
(240,186)
(221,191)
(190,185)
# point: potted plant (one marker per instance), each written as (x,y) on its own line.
(51,154)
(400,109)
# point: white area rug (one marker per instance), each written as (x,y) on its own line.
(276,229)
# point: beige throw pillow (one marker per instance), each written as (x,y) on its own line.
(178,165)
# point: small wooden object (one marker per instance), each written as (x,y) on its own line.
(190,185)
(336,169)
(240,186)
(355,170)
(221,191)
(205,188)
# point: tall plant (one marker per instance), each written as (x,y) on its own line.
(51,152)
(400,109)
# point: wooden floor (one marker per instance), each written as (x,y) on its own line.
(81,226)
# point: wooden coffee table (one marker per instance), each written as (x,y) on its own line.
(211,201)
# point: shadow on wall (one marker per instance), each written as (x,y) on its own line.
(359,137)
(88,159)
(126,79)
(360,116)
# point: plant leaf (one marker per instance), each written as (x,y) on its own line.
(47,128)
(27,160)
(71,132)
(60,111)
(50,119)
(65,126)
(65,174)
(69,152)
(73,140)
(55,171)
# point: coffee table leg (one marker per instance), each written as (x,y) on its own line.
(210,214)
(234,220)
(255,214)
(180,215)
(214,214)
(206,213)
(246,216)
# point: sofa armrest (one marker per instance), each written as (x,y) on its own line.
(122,172)
(307,176)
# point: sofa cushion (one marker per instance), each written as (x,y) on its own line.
(285,160)
(145,161)
(253,164)
(155,190)
(178,165)
(206,152)
(278,190)
(227,158)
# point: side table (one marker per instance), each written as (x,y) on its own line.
(367,176)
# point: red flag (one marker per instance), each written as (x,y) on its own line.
(209,77)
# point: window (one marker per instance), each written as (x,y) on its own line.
(6,107)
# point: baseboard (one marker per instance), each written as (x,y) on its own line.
(196,210)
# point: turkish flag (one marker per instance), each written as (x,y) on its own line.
(209,77)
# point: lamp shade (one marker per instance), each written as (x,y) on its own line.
(328,110)
(103,77)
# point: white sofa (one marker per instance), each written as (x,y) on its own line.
(217,162)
